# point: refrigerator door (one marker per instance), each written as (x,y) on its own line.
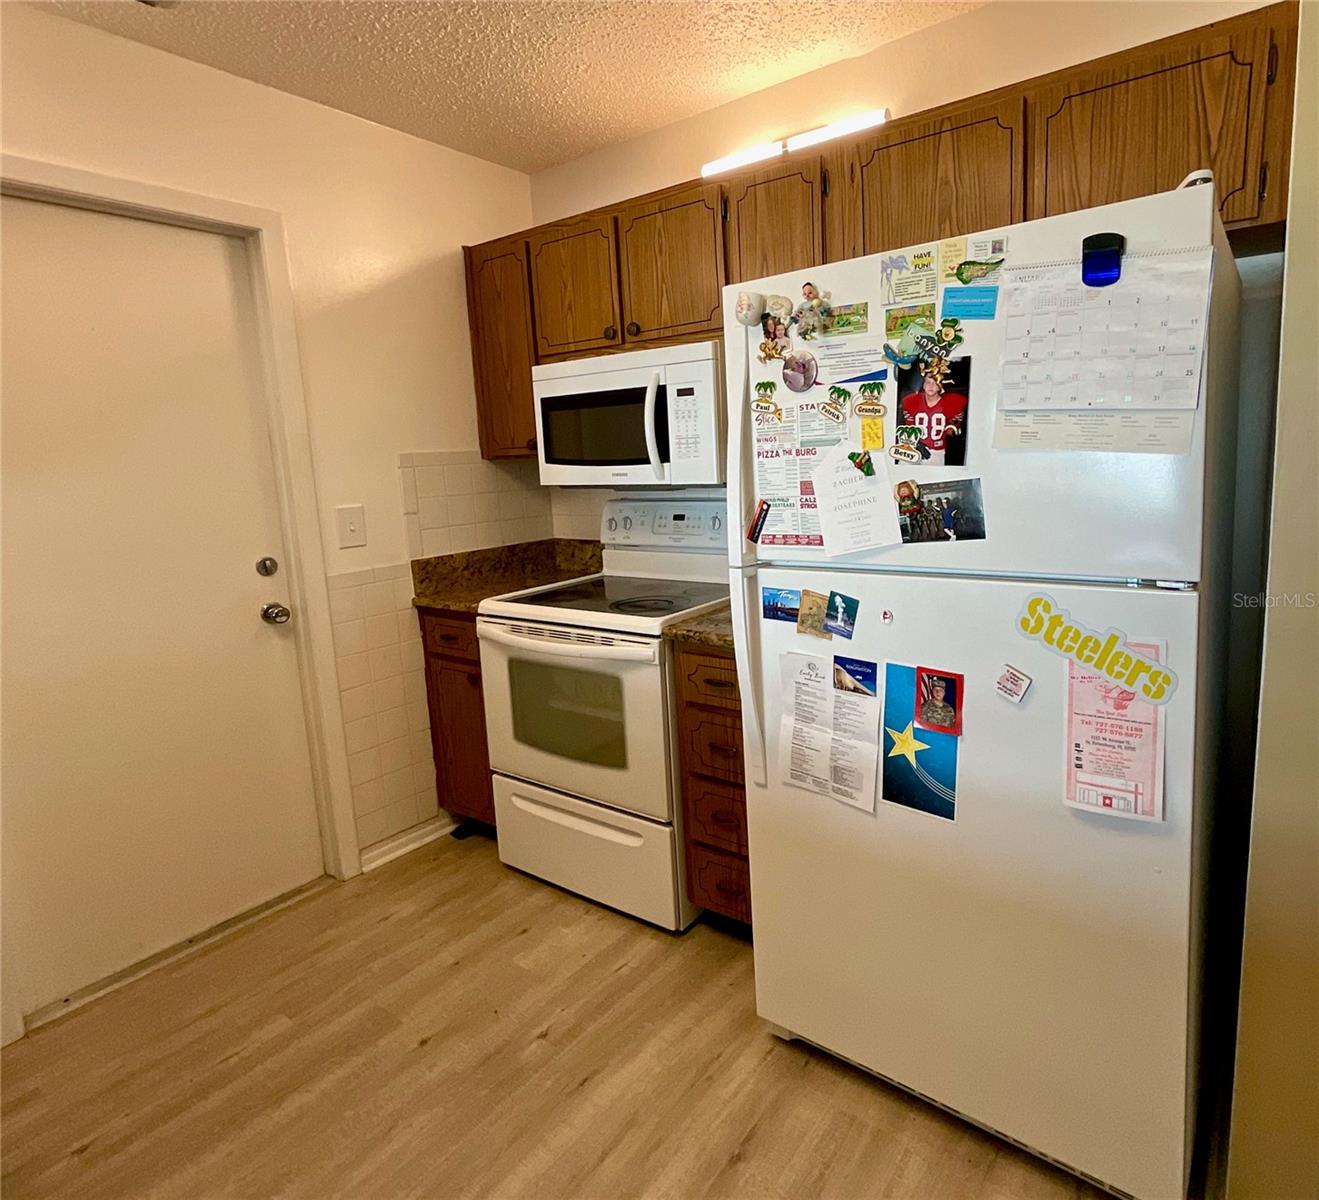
(1082,515)
(1026,964)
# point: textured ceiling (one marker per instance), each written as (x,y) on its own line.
(526,83)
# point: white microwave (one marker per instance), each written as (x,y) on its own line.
(645,417)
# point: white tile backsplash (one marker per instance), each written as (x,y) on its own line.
(454,500)
(382,691)
(576,511)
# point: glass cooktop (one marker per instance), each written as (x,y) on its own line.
(628,595)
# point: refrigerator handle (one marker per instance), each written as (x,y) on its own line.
(744,596)
(740,552)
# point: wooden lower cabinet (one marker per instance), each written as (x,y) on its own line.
(457,711)
(713,798)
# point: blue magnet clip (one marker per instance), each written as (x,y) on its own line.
(1101,259)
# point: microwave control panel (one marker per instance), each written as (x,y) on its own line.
(696,425)
(696,524)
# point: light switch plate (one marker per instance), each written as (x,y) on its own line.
(351,522)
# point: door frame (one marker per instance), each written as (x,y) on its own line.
(262,234)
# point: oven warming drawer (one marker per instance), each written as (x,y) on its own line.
(609,856)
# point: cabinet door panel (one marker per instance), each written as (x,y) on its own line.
(574,289)
(671,263)
(951,170)
(462,762)
(774,220)
(1139,122)
(499,314)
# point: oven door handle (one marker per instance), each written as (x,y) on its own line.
(626,652)
(648,419)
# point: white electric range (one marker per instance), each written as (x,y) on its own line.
(578,701)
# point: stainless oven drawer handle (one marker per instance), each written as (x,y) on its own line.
(621,653)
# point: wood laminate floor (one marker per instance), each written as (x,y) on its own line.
(447,1027)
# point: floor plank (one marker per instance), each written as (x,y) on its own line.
(447,1027)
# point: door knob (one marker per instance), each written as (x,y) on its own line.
(275,614)
(610,332)
(633,329)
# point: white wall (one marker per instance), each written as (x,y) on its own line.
(375,220)
(1274,1150)
(1002,43)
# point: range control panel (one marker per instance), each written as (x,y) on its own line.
(694,524)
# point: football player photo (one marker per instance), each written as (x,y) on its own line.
(934,397)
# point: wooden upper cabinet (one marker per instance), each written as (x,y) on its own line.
(499,315)
(774,220)
(671,263)
(1140,121)
(574,292)
(951,170)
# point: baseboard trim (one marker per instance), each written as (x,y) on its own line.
(112,983)
(407,841)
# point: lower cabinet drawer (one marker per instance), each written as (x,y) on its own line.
(711,743)
(716,814)
(612,857)
(454,638)
(719,882)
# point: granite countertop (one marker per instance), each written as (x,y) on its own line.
(457,583)
(713,629)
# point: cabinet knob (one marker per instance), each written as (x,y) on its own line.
(610,332)
(531,443)
(633,329)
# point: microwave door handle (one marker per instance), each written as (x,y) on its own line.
(648,417)
(620,653)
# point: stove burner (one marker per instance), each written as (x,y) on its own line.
(643,605)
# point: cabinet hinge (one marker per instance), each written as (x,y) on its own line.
(724,208)
(1263,180)
(1272,74)
(824,182)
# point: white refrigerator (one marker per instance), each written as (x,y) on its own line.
(1029,964)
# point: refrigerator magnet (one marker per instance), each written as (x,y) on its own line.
(800,370)
(870,400)
(938,701)
(840,617)
(847,319)
(757,526)
(1013,684)
(862,461)
(780,604)
(811,614)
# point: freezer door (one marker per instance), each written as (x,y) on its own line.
(1082,515)
(1024,963)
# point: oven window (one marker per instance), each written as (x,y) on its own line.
(602,429)
(569,712)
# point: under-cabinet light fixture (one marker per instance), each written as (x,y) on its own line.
(742,158)
(839,128)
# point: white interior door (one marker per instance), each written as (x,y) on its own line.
(156,765)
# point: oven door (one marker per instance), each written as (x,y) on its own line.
(578,711)
(608,428)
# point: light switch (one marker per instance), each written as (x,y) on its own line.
(351,520)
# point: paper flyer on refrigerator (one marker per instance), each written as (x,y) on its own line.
(1114,744)
(829,734)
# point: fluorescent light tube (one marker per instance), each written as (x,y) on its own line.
(854,124)
(742,158)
